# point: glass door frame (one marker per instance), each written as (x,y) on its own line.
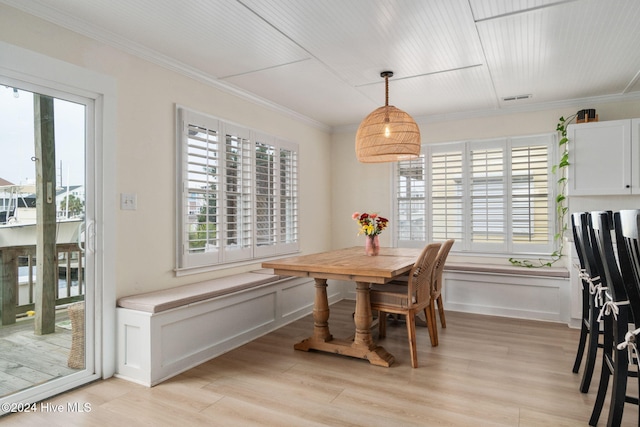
(42,74)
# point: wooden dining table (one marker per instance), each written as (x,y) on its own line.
(350,264)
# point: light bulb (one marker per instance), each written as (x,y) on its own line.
(387,131)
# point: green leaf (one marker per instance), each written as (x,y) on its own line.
(563,141)
(560,198)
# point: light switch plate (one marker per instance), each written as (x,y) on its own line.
(128,201)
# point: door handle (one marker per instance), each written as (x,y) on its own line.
(81,231)
(87,229)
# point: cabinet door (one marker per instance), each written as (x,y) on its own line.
(600,158)
(635,156)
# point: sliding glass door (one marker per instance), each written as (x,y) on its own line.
(47,286)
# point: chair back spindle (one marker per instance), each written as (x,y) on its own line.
(628,255)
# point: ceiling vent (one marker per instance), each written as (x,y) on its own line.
(517,97)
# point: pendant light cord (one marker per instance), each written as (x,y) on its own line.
(386,91)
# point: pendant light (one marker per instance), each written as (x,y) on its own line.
(388,134)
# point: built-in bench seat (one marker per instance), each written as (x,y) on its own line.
(507,269)
(165,332)
(166,299)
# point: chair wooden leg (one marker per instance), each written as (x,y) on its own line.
(382,324)
(443,322)
(430,312)
(411,332)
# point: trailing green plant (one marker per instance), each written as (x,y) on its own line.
(561,202)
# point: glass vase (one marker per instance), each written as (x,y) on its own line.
(372,245)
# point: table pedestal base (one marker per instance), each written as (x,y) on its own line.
(362,345)
(376,355)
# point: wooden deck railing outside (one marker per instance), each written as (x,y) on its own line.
(14,302)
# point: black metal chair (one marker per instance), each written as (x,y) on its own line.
(617,314)
(590,328)
(626,225)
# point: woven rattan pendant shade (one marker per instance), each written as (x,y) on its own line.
(388,134)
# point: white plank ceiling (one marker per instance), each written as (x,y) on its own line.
(321,59)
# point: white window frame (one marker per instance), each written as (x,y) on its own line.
(234,236)
(461,231)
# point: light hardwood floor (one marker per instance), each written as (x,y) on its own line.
(487,371)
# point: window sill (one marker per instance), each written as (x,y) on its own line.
(181,272)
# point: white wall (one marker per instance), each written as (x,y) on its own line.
(332,183)
(359,186)
(146,99)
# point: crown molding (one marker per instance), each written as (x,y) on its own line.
(528,108)
(552,105)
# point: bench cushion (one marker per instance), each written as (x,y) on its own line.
(507,269)
(158,301)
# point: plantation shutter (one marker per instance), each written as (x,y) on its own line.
(201,192)
(237,194)
(447,190)
(491,196)
(531,198)
(488,193)
(288,199)
(266,196)
(276,196)
(411,202)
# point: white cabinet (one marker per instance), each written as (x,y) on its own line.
(604,158)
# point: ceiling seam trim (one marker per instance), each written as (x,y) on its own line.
(466,67)
(632,83)
(522,11)
(324,64)
(496,100)
(263,69)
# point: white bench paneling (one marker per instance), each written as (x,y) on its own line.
(296,301)
(504,290)
(153,347)
(524,295)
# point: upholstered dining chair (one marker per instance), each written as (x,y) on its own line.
(436,292)
(408,299)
